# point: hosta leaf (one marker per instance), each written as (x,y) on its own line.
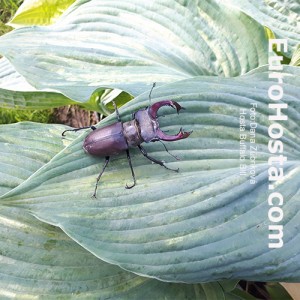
(204,223)
(295,61)
(39,260)
(282,17)
(10,79)
(101,100)
(16,92)
(32,100)
(41,12)
(130,44)
(26,147)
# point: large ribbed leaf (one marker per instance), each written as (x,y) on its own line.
(10,79)
(16,92)
(130,44)
(282,17)
(39,260)
(19,155)
(204,223)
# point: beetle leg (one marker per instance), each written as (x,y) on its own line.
(77,129)
(156,161)
(99,176)
(132,172)
(117,112)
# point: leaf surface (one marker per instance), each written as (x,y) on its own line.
(16,92)
(26,147)
(39,12)
(295,61)
(282,17)
(49,265)
(130,44)
(40,261)
(204,223)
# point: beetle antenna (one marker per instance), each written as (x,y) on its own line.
(176,157)
(153,86)
(77,129)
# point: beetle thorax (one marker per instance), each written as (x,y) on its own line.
(132,134)
(147,125)
(141,129)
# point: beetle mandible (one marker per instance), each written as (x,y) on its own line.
(119,137)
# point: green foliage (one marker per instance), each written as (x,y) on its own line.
(193,46)
(42,12)
(46,262)
(13,115)
(180,223)
(205,223)
(7,10)
(277,292)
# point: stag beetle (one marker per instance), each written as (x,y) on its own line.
(119,137)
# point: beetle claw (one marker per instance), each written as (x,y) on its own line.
(179,136)
(160,135)
(128,187)
(156,106)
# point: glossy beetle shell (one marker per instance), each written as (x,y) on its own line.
(106,141)
(149,125)
(118,137)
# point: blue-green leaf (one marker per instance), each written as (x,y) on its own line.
(206,222)
(130,44)
(282,17)
(40,261)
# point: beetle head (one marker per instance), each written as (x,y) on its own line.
(160,135)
